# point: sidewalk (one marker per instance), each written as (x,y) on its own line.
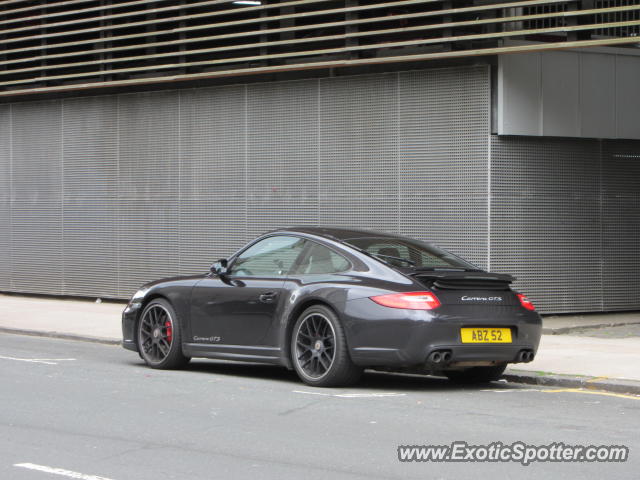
(562,359)
(79,319)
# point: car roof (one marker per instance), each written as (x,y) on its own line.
(337,233)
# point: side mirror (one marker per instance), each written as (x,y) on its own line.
(220,267)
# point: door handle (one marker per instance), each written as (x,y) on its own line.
(268,297)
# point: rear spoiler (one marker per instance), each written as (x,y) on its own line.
(461,275)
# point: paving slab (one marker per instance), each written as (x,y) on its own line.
(67,318)
(589,356)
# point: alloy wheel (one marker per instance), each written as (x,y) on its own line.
(156,333)
(315,345)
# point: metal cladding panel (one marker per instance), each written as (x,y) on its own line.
(598,95)
(545,220)
(560,108)
(36,213)
(621,225)
(627,97)
(443,136)
(5,197)
(358,158)
(569,94)
(90,141)
(282,155)
(519,99)
(212,176)
(147,188)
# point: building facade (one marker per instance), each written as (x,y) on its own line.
(452,122)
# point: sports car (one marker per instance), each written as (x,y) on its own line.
(330,302)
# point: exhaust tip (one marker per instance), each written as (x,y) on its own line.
(439,357)
(525,356)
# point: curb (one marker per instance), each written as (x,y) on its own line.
(62,336)
(580,328)
(606,384)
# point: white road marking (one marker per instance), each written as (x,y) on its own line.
(44,361)
(351,395)
(59,471)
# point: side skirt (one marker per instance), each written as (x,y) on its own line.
(240,353)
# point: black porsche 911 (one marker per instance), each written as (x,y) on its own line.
(329,302)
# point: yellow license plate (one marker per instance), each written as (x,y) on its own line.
(485,335)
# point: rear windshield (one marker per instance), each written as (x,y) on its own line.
(401,252)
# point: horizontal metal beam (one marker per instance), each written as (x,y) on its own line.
(327,64)
(99,8)
(292,16)
(416,42)
(365,33)
(354,22)
(41,6)
(295,39)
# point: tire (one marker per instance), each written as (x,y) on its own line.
(476,375)
(159,336)
(319,351)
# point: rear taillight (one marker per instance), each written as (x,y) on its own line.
(408,300)
(525,302)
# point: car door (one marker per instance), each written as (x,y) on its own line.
(239,308)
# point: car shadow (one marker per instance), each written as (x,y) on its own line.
(371,380)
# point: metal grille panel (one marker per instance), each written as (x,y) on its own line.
(156,184)
(282,155)
(90,144)
(110,192)
(148,185)
(621,225)
(5,197)
(36,211)
(565,219)
(443,135)
(212,176)
(358,167)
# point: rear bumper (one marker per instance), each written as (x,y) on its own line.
(404,357)
(387,337)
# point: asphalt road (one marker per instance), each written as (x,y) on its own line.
(97,411)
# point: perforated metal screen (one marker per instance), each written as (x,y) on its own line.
(565,219)
(101,194)
(5,196)
(110,192)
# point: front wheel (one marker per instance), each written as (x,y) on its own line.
(476,374)
(319,350)
(159,338)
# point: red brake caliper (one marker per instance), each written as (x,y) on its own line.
(167,324)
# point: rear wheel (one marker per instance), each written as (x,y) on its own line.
(159,338)
(319,350)
(476,374)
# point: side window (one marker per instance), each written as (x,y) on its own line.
(390,249)
(320,259)
(271,257)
